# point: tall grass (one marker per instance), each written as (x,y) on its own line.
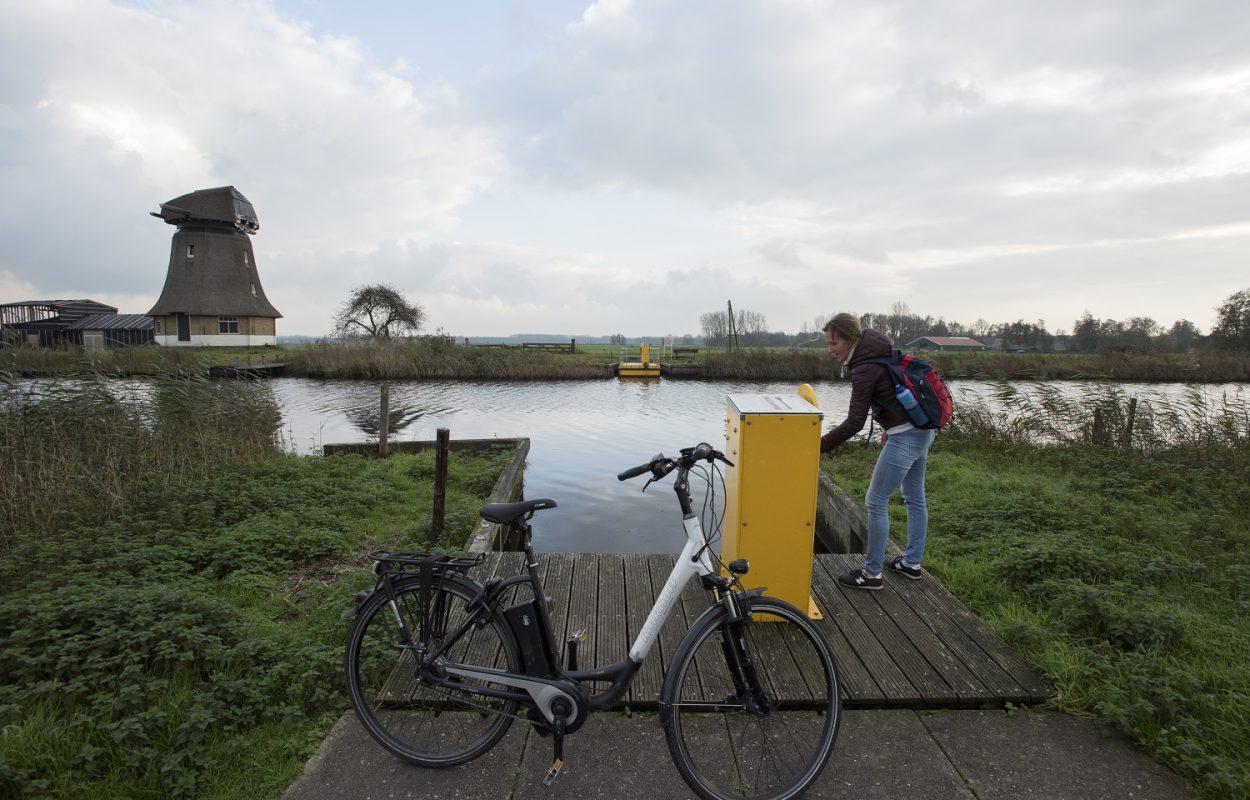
(1195,422)
(435,359)
(1205,366)
(78,447)
(761,364)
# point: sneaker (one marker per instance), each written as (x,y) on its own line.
(897,565)
(858,579)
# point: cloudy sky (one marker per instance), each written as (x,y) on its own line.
(621,167)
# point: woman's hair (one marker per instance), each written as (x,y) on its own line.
(844,325)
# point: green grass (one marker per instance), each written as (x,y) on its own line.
(190,645)
(1123,573)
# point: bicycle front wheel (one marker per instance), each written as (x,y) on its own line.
(421,715)
(754,715)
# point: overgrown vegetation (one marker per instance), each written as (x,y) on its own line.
(82,447)
(438,359)
(1122,571)
(185,640)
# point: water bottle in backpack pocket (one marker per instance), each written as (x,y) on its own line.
(913,409)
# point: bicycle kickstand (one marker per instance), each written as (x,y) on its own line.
(557,739)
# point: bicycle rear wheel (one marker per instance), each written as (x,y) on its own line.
(731,742)
(400,705)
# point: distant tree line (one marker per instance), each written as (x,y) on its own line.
(1089,334)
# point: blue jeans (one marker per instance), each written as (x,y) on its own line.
(901,463)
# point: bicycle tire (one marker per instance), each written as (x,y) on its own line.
(724,751)
(421,723)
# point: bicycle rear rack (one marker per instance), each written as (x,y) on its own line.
(386,562)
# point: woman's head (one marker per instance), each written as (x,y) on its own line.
(841,333)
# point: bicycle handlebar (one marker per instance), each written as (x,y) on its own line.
(634,472)
(660,465)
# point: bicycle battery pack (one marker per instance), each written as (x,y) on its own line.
(523,619)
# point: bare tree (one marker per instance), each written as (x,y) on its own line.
(378,311)
(714,326)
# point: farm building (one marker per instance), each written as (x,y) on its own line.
(945,343)
(45,323)
(99,331)
(212,293)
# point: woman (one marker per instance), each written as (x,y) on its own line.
(903,456)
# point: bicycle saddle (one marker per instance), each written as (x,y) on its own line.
(508,513)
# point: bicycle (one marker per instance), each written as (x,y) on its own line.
(438,665)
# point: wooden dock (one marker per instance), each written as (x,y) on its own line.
(910,645)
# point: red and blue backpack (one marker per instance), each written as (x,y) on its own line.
(924,382)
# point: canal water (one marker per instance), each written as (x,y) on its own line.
(582,434)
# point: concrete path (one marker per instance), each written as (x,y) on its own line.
(921,755)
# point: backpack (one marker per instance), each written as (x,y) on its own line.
(926,385)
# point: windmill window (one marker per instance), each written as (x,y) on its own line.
(227,324)
(253,290)
(246,261)
(190,251)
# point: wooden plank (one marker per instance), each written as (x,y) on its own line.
(639,597)
(778,652)
(611,642)
(1030,680)
(583,600)
(896,687)
(963,683)
(926,680)
(999,686)
(857,684)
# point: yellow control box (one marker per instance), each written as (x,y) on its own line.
(770,499)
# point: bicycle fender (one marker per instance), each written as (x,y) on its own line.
(357,602)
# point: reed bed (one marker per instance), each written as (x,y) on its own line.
(438,360)
(80,448)
(1205,366)
(768,365)
(1197,422)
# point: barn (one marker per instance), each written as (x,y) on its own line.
(945,343)
(212,293)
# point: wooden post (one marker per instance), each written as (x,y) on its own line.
(572,345)
(1096,432)
(1132,414)
(440,486)
(384,421)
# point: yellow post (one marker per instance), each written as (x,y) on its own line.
(646,353)
(770,506)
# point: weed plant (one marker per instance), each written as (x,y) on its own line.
(438,359)
(768,365)
(189,644)
(1200,366)
(1120,569)
(77,447)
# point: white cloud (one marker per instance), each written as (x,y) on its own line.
(642,162)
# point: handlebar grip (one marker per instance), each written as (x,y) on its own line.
(634,472)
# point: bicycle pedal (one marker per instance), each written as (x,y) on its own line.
(579,635)
(554,772)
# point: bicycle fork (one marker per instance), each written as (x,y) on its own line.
(739,659)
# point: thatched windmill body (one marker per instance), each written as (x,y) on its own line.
(212,293)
